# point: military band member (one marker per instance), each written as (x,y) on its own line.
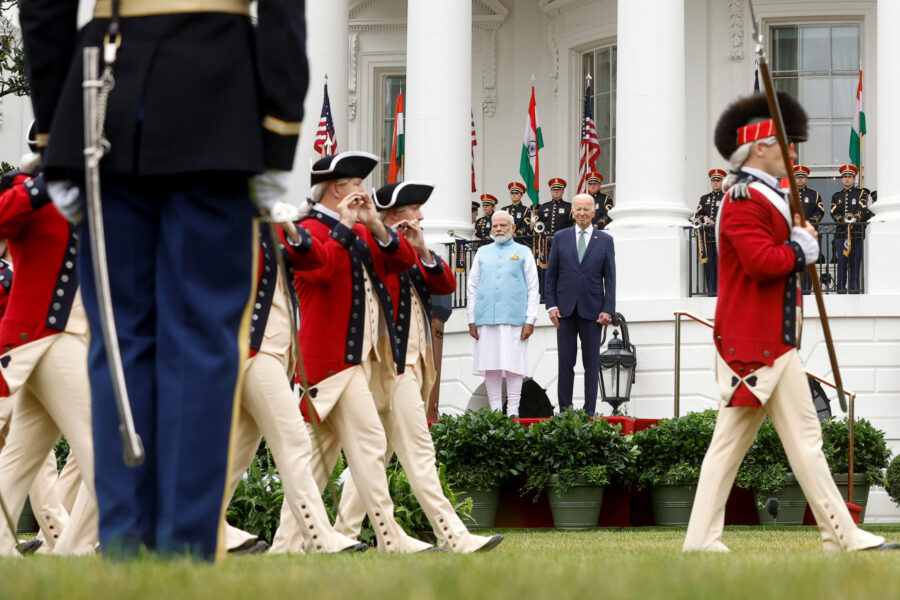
(43,336)
(707,211)
(556,214)
(475,206)
(268,402)
(349,341)
(849,205)
(603,203)
(813,210)
(757,331)
(399,205)
(517,209)
(483,224)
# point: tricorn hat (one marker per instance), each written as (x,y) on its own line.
(748,119)
(402,193)
(346,164)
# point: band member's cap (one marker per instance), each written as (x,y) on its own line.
(515,186)
(488,200)
(475,205)
(402,193)
(594,177)
(557,183)
(343,165)
(717,175)
(747,120)
(849,170)
(801,170)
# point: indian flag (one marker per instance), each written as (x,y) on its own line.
(533,142)
(398,148)
(859,127)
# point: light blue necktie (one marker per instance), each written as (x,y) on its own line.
(582,245)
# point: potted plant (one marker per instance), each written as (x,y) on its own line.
(892,480)
(479,451)
(766,472)
(871,456)
(669,456)
(574,457)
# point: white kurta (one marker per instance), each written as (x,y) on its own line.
(501,347)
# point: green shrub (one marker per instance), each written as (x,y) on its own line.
(479,450)
(765,466)
(256,504)
(892,480)
(574,447)
(871,454)
(672,451)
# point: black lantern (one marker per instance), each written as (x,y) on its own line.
(617,365)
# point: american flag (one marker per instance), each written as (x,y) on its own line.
(325,142)
(474,143)
(590,145)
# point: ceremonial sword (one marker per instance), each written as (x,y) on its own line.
(96,94)
(796,207)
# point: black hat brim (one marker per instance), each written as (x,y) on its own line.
(341,166)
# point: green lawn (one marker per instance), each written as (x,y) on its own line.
(604,564)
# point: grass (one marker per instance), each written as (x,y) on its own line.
(646,563)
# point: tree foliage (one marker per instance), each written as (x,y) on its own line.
(13,80)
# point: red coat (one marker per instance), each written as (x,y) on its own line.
(332,296)
(307,254)
(43,247)
(758,304)
(438,280)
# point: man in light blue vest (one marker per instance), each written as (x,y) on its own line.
(503,301)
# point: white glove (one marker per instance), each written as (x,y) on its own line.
(67,198)
(807,242)
(269,187)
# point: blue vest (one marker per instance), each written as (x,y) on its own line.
(502,297)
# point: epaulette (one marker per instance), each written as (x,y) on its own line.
(739,191)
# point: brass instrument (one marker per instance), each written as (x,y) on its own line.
(696,223)
(533,222)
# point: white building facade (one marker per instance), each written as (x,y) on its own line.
(662,72)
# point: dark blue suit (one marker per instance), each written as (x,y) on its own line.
(581,291)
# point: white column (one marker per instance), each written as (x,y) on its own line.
(883,244)
(651,251)
(438,111)
(328,52)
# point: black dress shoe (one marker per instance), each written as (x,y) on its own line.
(30,546)
(886,546)
(491,543)
(434,549)
(257,547)
(360,547)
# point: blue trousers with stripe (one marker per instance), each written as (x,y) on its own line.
(181,261)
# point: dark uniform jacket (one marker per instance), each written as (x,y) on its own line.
(603,203)
(182,102)
(483,227)
(850,202)
(813,209)
(518,212)
(709,207)
(555,215)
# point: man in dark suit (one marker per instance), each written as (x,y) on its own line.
(205,112)
(580,294)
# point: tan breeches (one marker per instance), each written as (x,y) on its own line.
(353,425)
(794,417)
(56,398)
(407,433)
(270,409)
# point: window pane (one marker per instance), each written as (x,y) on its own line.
(602,115)
(615,66)
(787,84)
(817,150)
(603,161)
(815,50)
(841,143)
(844,89)
(784,48)
(815,97)
(601,81)
(845,47)
(612,113)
